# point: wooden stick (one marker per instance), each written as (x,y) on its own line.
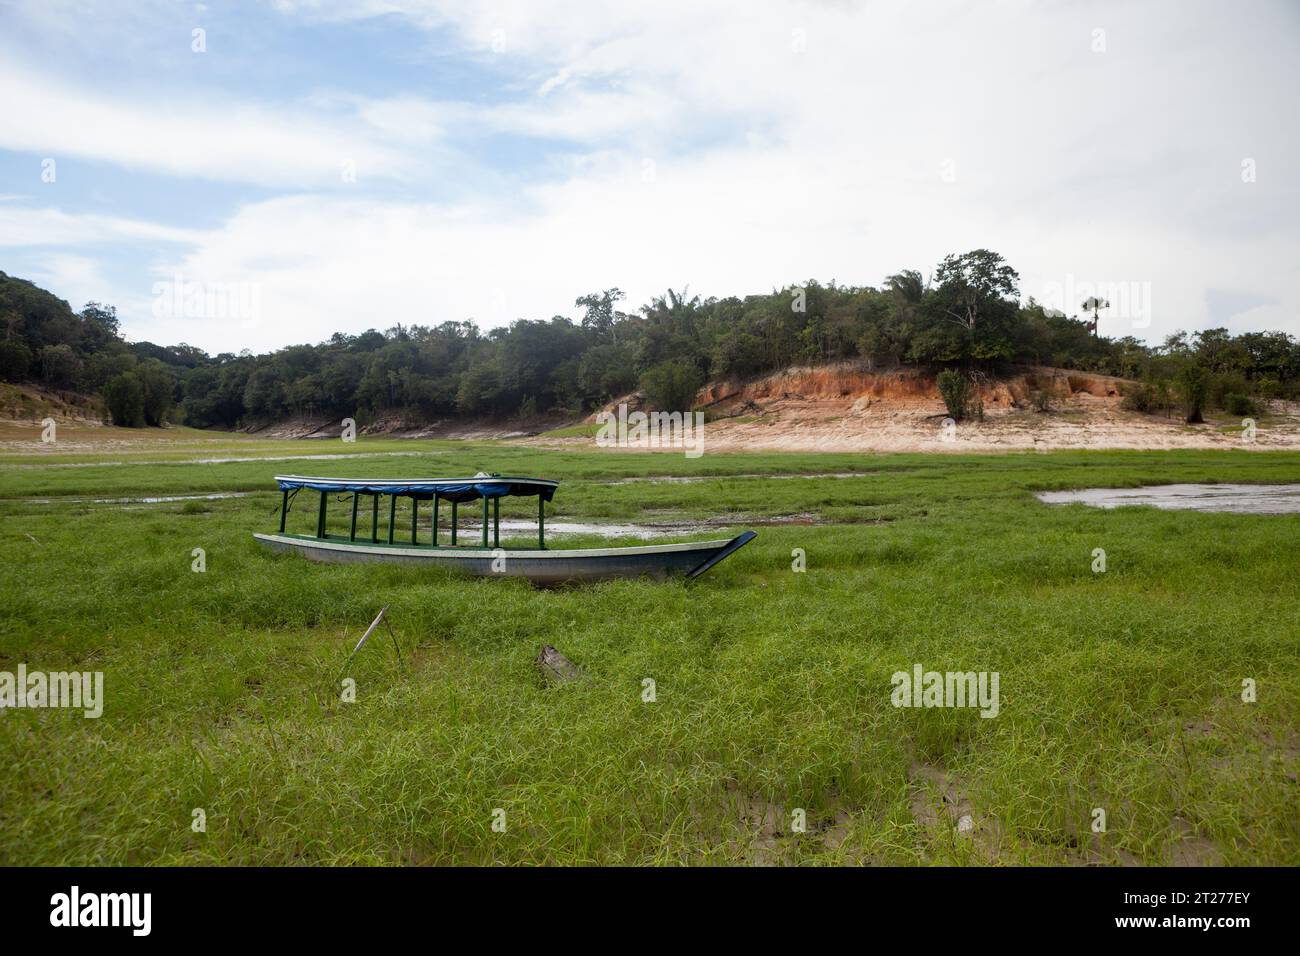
(373,624)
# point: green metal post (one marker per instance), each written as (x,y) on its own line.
(284,508)
(374,518)
(541,522)
(352,534)
(415,513)
(485,520)
(320,517)
(454,506)
(392,516)
(496,522)
(435,519)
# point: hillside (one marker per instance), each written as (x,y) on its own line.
(846,407)
(840,407)
(778,366)
(31,404)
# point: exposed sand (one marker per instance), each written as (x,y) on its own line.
(1078,422)
(846,409)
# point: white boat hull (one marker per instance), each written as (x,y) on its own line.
(691,558)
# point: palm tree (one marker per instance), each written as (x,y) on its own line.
(1095,304)
(674,310)
(908,287)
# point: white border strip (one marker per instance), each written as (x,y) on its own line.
(489,553)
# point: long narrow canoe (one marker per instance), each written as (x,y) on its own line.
(691,559)
(481,555)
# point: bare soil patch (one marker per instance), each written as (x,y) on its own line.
(845,408)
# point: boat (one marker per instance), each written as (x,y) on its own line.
(483,556)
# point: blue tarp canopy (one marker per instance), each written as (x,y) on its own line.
(448,489)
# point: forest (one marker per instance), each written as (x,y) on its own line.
(967,316)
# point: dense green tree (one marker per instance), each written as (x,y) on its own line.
(977,292)
(955,389)
(671,386)
(669,330)
(60,367)
(1217,351)
(102,366)
(124,396)
(528,354)
(600,317)
(158,386)
(264,393)
(15,360)
(99,327)
(967,315)
(480,388)
(200,398)
(35,316)
(1192,383)
(1273,355)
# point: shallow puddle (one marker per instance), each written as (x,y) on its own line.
(217,461)
(1237,499)
(136,501)
(688,479)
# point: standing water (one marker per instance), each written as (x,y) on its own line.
(1237,499)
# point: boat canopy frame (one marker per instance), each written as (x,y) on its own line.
(490,488)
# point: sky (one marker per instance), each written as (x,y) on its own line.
(251,175)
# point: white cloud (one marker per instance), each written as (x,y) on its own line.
(737,148)
(25,226)
(732,223)
(205,137)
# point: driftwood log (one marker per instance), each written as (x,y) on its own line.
(556,667)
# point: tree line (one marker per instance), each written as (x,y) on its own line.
(966,317)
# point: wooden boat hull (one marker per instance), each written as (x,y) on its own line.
(690,559)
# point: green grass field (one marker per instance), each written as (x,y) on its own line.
(1119,691)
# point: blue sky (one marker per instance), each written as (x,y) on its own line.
(353,164)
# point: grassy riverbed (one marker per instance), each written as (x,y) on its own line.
(1119,690)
